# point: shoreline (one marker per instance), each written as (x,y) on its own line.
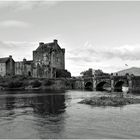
(26,83)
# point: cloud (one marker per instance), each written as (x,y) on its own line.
(93,53)
(18,50)
(14,23)
(85,54)
(125,52)
(20,5)
(109,59)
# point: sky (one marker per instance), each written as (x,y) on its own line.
(96,34)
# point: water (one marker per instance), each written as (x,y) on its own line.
(58,115)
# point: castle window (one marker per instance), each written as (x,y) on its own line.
(57,59)
(29,73)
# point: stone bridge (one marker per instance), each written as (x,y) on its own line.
(111,83)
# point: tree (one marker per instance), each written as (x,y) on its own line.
(100,73)
(87,73)
(36,83)
(62,74)
(90,72)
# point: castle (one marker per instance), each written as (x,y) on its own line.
(47,59)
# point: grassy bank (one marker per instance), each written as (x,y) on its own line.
(110,101)
(27,83)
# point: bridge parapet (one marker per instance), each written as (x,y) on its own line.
(102,77)
(116,78)
(135,77)
(115,82)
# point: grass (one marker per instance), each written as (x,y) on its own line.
(21,82)
(110,101)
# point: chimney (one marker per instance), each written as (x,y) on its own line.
(10,56)
(41,43)
(55,41)
(24,60)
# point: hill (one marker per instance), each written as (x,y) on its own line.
(133,70)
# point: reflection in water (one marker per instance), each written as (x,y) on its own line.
(58,115)
(52,104)
(43,105)
(32,116)
(10,101)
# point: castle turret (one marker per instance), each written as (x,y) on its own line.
(24,60)
(10,56)
(55,41)
(41,43)
(11,66)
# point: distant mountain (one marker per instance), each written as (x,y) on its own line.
(133,70)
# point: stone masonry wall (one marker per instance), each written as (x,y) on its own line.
(47,58)
(2,69)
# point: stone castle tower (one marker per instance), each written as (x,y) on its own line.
(47,58)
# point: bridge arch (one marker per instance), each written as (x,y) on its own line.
(89,85)
(102,86)
(118,85)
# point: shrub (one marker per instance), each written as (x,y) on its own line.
(36,83)
(62,74)
(14,84)
(48,82)
(68,83)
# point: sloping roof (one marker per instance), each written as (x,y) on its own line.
(26,62)
(48,46)
(132,70)
(4,60)
(29,62)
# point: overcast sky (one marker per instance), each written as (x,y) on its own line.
(98,35)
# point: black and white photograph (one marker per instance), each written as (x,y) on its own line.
(69,69)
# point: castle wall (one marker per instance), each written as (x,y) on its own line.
(2,69)
(10,67)
(7,66)
(18,68)
(42,71)
(22,68)
(57,59)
